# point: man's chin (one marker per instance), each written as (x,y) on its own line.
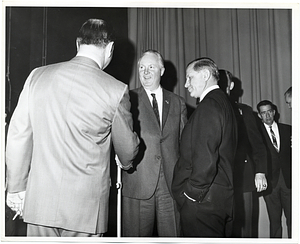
(192,94)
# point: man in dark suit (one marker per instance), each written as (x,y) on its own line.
(250,165)
(159,117)
(60,137)
(277,138)
(203,175)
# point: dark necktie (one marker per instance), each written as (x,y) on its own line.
(155,107)
(274,138)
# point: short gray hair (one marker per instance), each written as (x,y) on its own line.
(160,57)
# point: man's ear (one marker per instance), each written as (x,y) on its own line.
(231,85)
(162,71)
(206,74)
(78,40)
(259,116)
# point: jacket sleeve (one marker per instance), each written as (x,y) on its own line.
(259,152)
(19,143)
(205,140)
(125,141)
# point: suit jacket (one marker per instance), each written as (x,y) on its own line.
(281,160)
(159,146)
(251,154)
(207,150)
(59,141)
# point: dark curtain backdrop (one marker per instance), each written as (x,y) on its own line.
(255,45)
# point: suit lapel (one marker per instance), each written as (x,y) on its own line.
(270,143)
(147,104)
(166,106)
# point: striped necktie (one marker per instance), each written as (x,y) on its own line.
(155,107)
(274,138)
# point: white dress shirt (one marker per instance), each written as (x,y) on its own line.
(159,97)
(276,132)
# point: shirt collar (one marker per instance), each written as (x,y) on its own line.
(207,90)
(157,91)
(274,125)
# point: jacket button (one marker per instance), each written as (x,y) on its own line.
(158,157)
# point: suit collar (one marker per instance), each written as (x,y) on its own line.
(85,60)
(209,89)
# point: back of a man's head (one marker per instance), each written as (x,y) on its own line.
(95,32)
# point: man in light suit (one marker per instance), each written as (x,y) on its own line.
(203,175)
(277,139)
(60,136)
(159,117)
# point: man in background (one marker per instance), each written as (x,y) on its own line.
(159,117)
(288,97)
(60,136)
(203,175)
(250,166)
(277,139)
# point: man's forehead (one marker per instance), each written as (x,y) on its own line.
(149,57)
(266,107)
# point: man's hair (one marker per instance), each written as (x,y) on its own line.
(264,103)
(225,79)
(202,63)
(288,92)
(96,32)
(160,57)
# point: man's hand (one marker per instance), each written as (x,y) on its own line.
(16,202)
(260,182)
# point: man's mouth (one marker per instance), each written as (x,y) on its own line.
(190,89)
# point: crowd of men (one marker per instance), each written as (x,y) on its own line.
(190,177)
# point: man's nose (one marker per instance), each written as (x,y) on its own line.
(187,83)
(146,70)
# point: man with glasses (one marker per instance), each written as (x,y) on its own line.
(276,137)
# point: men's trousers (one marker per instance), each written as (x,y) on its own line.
(204,220)
(44,231)
(139,216)
(279,199)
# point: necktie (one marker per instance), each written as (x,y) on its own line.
(273,138)
(155,107)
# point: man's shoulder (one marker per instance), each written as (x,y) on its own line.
(284,126)
(245,107)
(173,95)
(214,97)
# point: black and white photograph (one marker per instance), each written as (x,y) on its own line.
(150,121)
